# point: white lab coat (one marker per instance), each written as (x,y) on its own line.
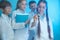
(21,33)
(6,28)
(44,30)
(0,31)
(31,15)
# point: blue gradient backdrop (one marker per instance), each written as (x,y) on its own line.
(54,14)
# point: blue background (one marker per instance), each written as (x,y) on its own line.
(54,14)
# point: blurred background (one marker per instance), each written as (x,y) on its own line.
(54,14)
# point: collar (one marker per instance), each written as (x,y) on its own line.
(4,16)
(41,16)
(19,10)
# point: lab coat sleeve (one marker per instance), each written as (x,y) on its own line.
(51,28)
(31,23)
(13,20)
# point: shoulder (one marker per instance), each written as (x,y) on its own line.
(14,12)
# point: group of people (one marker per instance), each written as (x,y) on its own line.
(39,25)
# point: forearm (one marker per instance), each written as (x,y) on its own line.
(33,24)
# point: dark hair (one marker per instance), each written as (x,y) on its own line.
(19,1)
(31,2)
(0,4)
(47,18)
(4,4)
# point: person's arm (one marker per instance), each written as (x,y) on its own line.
(27,22)
(29,18)
(51,28)
(13,20)
(35,18)
(33,22)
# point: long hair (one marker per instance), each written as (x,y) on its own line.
(17,6)
(47,18)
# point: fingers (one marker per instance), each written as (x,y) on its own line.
(35,17)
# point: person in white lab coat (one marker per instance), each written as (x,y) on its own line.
(32,6)
(0,21)
(42,23)
(5,22)
(20,30)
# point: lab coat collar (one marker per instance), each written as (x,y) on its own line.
(19,10)
(41,16)
(5,16)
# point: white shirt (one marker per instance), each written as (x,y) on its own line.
(31,14)
(44,30)
(6,28)
(21,33)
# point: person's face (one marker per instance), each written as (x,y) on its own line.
(7,10)
(33,6)
(23,5)
(41,7)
